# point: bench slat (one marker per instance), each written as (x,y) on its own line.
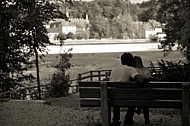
(90,103)
(133,94)
(89,83)
(161,94)
(125,94)
(89,92)
(148,103)
(132,84)
(145,85)
(123,103)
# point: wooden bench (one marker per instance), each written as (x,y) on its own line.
(107,94)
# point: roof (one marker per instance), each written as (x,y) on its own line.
(79,22)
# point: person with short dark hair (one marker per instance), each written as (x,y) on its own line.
(124,73)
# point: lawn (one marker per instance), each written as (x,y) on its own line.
(66,111)
(86,62)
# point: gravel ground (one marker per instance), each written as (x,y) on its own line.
(66,112)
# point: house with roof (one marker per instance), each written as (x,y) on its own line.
(74,25)
(153,32)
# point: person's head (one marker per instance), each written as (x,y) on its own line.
(127,59)
(138,62)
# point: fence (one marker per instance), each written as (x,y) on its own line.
(100,75)
(25,93)
(95,75)
(30,93)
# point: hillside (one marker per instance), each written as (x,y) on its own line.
(115,19)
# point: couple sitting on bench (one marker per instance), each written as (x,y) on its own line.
(131,69)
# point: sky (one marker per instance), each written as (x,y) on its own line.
(137,1)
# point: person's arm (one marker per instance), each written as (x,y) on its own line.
(138,78)
(135,75)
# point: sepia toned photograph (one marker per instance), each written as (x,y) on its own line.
(94,62)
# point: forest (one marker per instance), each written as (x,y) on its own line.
(116,19)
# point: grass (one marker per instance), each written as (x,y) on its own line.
(66,111)
(86,62)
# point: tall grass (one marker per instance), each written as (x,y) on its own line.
(88,61)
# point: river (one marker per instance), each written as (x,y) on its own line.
(104,48)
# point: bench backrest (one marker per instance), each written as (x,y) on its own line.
(152,94)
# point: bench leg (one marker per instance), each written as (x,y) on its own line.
(109,115)
(185,105)
(105,108)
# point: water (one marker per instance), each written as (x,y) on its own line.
(104,48)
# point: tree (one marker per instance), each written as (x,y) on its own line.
(71,35)
(62,37)
(109,12)
(149,11)
(121,27)
(79,36)
(23,33)
(94,10)
(175,14)
(12,41)
(185,29)
(176,18)
(60,80)
(100,25)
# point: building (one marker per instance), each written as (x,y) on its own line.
(150,33)
(161,36)
(74,25)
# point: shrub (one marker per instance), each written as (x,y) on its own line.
(60,80)
(79,36)
(59,84)
(71,35)
(173,71)
(62,36)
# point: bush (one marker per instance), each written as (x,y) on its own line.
(173,71)
(59,84)
(79,36)
(60,80)
(62,36)
(71,35)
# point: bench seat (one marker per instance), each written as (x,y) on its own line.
(106,94)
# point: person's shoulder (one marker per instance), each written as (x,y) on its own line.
(125,66)
(122,67)
(145,69)
(118,68)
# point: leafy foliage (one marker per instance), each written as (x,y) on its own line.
(62,36)
(102,16)
(60,80)
(71,35)
(23,35)
(59,85)
(149,10)
(101,27)
(175,15)
(172,71)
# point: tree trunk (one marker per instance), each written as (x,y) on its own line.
(37,72)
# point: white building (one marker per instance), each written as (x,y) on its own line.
(149,33)
(74,25)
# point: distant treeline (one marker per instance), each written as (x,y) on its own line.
(115,19)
